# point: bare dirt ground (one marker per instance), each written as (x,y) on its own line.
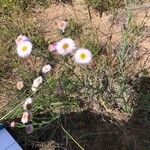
(108,29)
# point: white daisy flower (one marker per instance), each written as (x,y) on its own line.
(46,68)
(20,85)
(24,48)
(26,117)
(20,39)
(62,26)
(65,46)
(29,128)
(37,81)
(83,56)
(28,104)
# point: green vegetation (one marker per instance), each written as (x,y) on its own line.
(106,5)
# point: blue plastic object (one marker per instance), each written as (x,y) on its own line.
(7,141)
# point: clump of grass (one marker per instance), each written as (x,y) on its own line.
(65,1)
(93,46)
(105,5)
(25,6)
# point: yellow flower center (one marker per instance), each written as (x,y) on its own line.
(65,46)
(24,48)
(83,55)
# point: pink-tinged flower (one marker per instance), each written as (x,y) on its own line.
(20,39)
(26,117)
(29,128)
(20,85)
(65,46)
(52,47)
(62,26)
(28,104)
(13,124)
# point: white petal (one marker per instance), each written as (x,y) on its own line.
(20,39)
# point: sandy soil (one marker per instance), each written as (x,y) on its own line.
(108,28)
